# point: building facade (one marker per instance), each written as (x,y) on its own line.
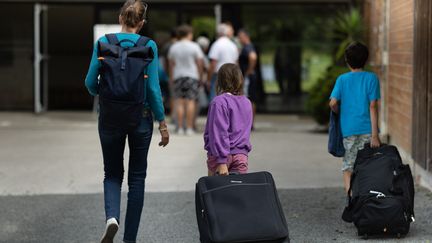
(400,40)
(45,45)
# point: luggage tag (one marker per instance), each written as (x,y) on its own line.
(378,194)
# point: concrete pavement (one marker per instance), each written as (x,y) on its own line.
(64,148)
(313,215)
(51,174)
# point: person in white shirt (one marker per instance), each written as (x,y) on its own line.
(185,70)
(202,102)
(222,51)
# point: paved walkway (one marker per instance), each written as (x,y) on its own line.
(51,173)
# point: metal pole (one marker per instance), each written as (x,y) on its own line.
(37,59)
(385,65)
(45,59)
(218,14)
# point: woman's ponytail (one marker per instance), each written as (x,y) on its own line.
(133,12)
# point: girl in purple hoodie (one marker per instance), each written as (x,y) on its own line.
(229,123)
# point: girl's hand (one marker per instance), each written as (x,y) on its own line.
(222,169)
(375,142)
(163,129)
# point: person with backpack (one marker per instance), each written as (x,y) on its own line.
(129,93)
(355,98)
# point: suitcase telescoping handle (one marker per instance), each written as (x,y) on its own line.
(230,173)
(368,146)
(369,152)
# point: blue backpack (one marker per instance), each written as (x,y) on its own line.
(123,79)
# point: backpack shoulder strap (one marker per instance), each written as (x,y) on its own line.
(142,41)
(112,39)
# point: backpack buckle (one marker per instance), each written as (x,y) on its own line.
(123,60)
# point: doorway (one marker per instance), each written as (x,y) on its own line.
(69,47)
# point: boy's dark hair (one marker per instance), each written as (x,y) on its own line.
(356,55)
(229,79)
(183,31)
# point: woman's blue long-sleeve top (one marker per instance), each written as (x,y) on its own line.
(153,91)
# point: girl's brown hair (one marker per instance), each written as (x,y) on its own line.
(229,79)
(133,12)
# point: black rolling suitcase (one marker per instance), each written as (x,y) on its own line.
(239,208)
(382,200)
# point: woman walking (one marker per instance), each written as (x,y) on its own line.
(112,132)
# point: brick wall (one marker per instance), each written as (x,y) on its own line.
(400,72)
(375,17)
(390,27)
(374,20)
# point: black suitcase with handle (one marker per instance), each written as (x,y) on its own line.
(239,208)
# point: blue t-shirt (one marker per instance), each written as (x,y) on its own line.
(355,91)
(154,96)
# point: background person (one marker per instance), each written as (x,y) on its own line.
(113,138)
(204,44)
(186,65)
(248,61)
(222,51)
(202,101)
(165,66)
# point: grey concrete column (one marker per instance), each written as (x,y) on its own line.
(37,58)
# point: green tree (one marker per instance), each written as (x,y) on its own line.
(317,103)
(348,28)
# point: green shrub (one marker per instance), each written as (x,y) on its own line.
(317,103)
(348,28)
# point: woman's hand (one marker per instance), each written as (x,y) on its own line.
(222,169)
(163,129)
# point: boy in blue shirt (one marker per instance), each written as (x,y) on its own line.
(355,96)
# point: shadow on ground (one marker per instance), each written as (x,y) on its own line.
(313,216)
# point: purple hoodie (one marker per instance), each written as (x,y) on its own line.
(229,122)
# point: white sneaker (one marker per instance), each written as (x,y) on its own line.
(181,132)
(190,132)
(110,231)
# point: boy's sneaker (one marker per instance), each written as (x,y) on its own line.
(190,132)
(110,231)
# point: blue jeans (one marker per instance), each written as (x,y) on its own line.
(113,144)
